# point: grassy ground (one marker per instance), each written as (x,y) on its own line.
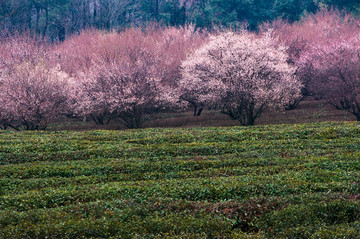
(295,181)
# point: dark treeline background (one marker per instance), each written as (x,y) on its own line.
(58,19)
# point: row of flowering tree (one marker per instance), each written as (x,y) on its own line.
(126,75)
(104,76)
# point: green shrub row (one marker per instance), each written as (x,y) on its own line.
(286,181)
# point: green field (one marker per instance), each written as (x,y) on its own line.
(296,181)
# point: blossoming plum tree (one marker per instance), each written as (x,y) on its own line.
(126,75)
(325,29)
(334,67)
(121,80)
(244,73)
(325,48)
(35,95)
(33,91)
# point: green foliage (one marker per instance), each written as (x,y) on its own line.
(56,20)
(293,10)
(287,181)
(253,12)
(341,4)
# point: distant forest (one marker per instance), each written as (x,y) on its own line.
(55,20)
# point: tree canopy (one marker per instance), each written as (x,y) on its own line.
(56,20)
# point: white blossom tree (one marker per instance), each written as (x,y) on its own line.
(35,95)
(244,73)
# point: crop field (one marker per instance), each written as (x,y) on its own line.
(274,181)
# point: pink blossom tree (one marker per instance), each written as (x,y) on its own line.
(116,76)
(33,91)
(313,31)
(125,88)
(126,75)
(333,66)
(325,48)
(244,73)
(36,95)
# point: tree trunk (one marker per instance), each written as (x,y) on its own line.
(37,21)
(156,10)
(133,119)
(61,33)
(46,18)
(199,112)
(94,14)
(100,119)
(195,110)
(174,14)
(245,117)
(184,13)
(295,104)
